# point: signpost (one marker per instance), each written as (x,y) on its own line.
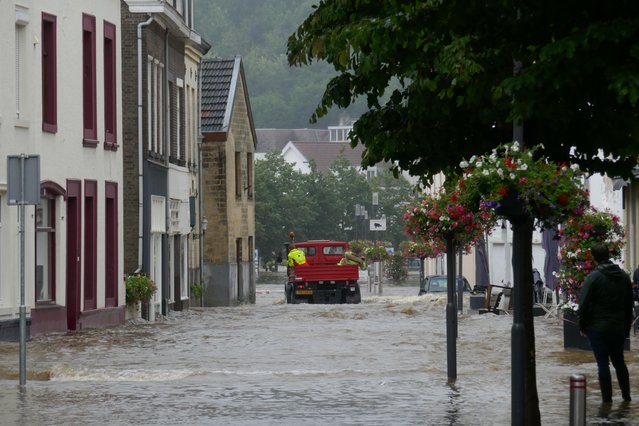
(23,179)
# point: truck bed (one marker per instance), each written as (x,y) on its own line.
(327,273)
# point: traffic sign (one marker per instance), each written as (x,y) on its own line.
(378,224)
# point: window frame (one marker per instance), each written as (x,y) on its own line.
(110,87)
(49,56)
(50,232)
(90,276)
(111,252)
(89,92)
(238,174)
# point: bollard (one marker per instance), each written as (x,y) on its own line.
(577,400)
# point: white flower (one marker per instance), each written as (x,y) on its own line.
(500,172)
(574,167)
(515,146)
(485,172)
(463,164)
(472,159)
(479,164)
(523,167)
(512,176)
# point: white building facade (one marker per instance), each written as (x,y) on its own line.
(60,100)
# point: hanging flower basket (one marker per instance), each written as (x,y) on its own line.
(436,217)
(516,181)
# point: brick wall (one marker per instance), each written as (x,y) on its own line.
(130,136)
(229,217)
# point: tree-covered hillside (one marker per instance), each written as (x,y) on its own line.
(281,96)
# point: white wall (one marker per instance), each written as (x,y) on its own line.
(62,155)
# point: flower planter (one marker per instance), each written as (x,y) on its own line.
(133,311)
(574,340)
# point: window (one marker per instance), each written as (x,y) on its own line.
(90,244)
(45,250)
(49,77)
(190,125)
(88,81)
(174,150)
(192,115)
(111,244)
(185,267)
(21,84)
(175,121)
(238,174)
(110,108)
(249,174)
(333,250)
(155,124)
(178,124)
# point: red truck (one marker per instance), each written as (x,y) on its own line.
(323,280)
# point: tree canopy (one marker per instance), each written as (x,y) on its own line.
(322,206)
(281,97)
(457,75)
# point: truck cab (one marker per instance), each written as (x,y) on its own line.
(323,279)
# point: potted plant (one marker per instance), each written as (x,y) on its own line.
(139,290)
(197,292)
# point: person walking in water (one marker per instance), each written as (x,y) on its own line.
(605,317)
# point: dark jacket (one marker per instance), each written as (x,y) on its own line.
(605,300)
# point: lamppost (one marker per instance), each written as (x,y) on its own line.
(358,213)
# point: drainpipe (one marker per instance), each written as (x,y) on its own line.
(200,196)
(140,148)
(166,281)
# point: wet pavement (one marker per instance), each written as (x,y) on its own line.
(382,362)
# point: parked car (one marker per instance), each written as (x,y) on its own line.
(439,284)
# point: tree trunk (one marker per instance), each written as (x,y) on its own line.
(525,400)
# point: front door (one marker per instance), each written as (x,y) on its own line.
(74,221)
(177,269)
(238,250)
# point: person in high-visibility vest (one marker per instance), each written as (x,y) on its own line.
(351,258)
(296,257)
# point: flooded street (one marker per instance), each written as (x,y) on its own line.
(382,362)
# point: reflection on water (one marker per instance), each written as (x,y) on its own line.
(380,362)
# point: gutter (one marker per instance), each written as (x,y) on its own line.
(140,147)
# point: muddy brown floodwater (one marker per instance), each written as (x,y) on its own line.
(382,362)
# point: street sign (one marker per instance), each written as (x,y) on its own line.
(23,179)
(23,188)
(378,224)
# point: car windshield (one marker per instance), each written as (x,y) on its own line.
(440,284)
(437,284)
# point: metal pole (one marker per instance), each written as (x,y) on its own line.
(577,400)
(23,308)
(451,314)
(460,285)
